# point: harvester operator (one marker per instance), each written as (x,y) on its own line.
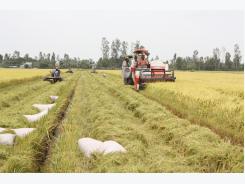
(142,61)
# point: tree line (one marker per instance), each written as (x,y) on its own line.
(44,60)
(214,62)
(113,53)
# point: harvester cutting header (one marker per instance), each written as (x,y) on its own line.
(137,70)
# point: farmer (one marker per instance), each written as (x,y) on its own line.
(125,62)
(56,71)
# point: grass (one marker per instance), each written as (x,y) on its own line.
(155,139)
(210,99)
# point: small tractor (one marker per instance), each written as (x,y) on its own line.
(55,75)
(140,71)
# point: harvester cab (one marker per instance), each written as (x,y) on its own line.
(55,75)
(140,71)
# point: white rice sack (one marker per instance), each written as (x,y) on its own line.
(43,107)
(36,117)
(22,132)
(7,139)
(2,129)
(54,98)
(112,147)
(89,146)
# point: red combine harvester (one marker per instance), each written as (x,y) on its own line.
(141,71)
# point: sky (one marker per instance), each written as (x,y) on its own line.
(78,32)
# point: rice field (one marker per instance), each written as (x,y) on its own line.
(199,128)
(15,76)
(10,74)
(15,101)
(210,99)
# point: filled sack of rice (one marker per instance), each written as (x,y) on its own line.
(112,147)
(36,117)
(54,98)
(7,139)
(22,132)
(88,146)
(43,107)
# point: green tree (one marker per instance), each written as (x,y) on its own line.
(105,48)
(179,63)
(16,54)
(174,60)
(216,58)
(41,58)
(26,57)
(6,57)
(53,59)
(48,57)
(66,60)
(1,58)
(115,48)
(209,63)
(124,48)
(137,44)
(196,60)
(237,56)
(228,62)
(201,63)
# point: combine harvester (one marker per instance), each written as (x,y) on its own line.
(141,71)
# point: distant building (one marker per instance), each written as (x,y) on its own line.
(26,65)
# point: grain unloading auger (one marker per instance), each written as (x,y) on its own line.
(141,71)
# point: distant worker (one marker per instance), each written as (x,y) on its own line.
(125,62)
(56,71)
